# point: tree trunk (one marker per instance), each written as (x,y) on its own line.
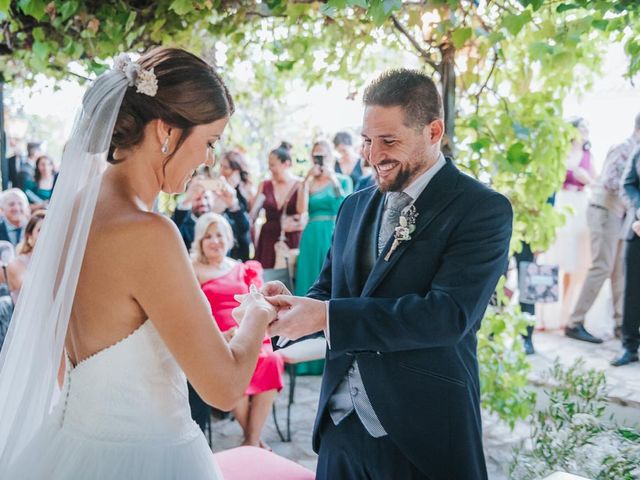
(448,78)
(4,167)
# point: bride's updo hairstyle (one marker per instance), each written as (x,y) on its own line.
(189,93)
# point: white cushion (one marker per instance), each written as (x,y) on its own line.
(304,351)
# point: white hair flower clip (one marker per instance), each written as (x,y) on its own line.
(145,81)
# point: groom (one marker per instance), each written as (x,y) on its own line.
(400,307)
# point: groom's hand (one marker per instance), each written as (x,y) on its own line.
(297,316)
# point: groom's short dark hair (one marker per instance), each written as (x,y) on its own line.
(412,90)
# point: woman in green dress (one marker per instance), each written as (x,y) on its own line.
(40,189)
(321,194)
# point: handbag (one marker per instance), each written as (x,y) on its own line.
(285,256)
(538,283)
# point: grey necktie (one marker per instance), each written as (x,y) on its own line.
(396,202)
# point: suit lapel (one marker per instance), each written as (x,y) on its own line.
(4,232)
(362,230)
(438,194)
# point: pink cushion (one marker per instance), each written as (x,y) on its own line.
(251,463)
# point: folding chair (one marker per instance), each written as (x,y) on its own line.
(303,351)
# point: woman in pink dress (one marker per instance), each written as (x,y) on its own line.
(221,279)
(572,239)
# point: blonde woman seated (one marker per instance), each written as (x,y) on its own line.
(18,266)
(221,279)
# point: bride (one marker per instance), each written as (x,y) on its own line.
(114,290)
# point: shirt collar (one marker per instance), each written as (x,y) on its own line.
(11,227)
(419,184)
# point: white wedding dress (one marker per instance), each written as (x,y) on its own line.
(123,414)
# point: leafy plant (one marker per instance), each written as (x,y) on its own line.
(572,435)
(503,363)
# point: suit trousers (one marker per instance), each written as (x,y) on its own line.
(526,255)
(607,261)
(631,317)
(348,452)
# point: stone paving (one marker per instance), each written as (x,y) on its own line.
(624,390)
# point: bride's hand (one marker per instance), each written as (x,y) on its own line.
(253,304)
(273,288)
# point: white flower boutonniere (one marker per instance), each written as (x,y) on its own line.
(404,230)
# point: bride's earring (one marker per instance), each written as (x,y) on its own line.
(165,146)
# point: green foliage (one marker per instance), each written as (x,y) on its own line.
(503,363)
(571,433)
(511,128)
(44,37)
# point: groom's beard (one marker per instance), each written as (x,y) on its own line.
(402,180)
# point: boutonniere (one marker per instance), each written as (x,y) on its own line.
(404,230)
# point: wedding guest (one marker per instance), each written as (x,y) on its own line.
(605,216)
(192,205)
(631,307)
(27,168)
(528,309)
(198,200)
(39,190)
(221,279)
(280,203)
(572,239)
(320,195)
(16,156)
(349,163)
(18,266)
(235,172)
(15,208)
(234,168)
(368,179)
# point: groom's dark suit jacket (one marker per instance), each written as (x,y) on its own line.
(411,322)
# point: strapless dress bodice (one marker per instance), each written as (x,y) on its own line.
(133,390)
(123,414)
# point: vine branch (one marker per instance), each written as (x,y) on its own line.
(486,82)
(423,53)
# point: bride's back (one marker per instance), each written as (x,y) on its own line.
(160,137)
(104,309)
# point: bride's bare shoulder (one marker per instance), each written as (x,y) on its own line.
(150,226)
(141,232)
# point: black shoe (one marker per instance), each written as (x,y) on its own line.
(579,333)
(625,359)
(528,346)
